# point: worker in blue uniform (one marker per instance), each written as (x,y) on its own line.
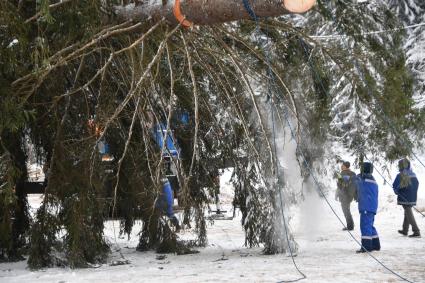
(406,188)
(167,143)
(367,192)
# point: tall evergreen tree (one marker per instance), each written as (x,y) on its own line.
(412,13)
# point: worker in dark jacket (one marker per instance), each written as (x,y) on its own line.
(346,192)
(367,193)
(406,188)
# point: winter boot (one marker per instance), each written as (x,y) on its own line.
(415,235)
(367,245)
(376,244)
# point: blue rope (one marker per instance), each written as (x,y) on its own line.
(250,11)
(252,14)
(277,174)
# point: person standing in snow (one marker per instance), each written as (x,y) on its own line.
(346,192)
(367,192)
(406,188)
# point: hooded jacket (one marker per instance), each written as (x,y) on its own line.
(407,195)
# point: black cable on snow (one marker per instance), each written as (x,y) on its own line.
(252,14)
(331,207)
(249,10)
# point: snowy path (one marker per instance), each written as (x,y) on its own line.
(326,254)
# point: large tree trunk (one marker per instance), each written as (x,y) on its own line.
(208,12)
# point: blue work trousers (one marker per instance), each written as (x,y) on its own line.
(370,238)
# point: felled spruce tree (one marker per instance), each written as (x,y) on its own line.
(77,63)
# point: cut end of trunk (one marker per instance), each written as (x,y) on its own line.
(298,6)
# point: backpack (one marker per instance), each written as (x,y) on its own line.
(345,182)
(347,186)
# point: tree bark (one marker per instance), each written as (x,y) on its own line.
(209,12)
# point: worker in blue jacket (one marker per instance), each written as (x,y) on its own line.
(406,188)
(167,143)
(367,192)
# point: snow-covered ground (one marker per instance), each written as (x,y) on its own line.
(326,253)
